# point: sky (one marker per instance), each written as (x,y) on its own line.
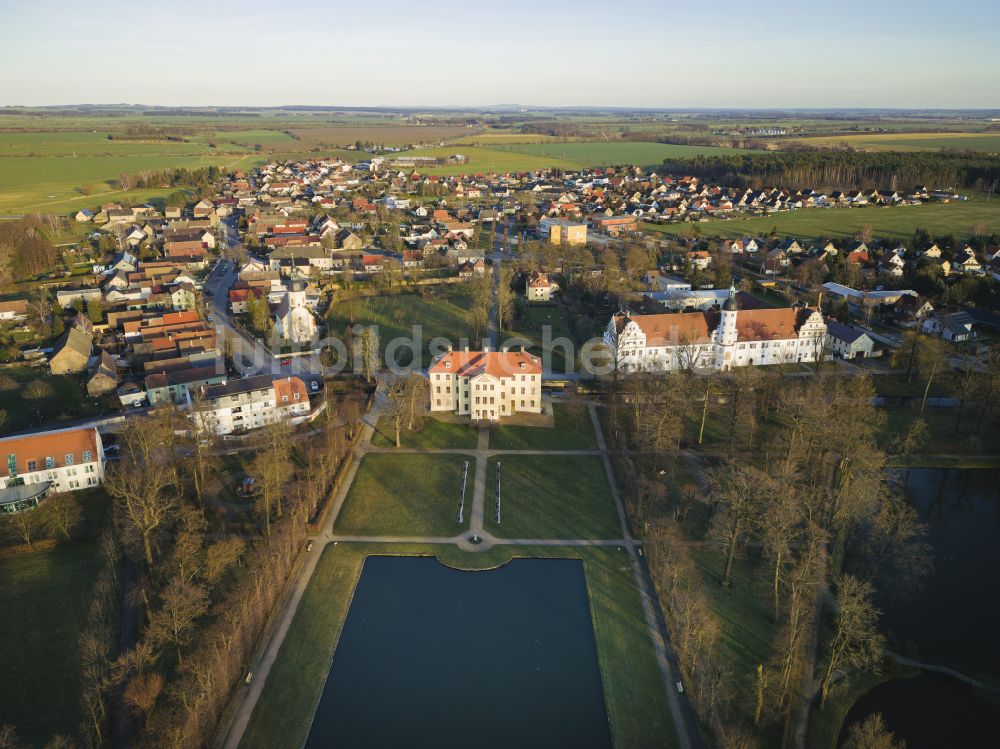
(632,53)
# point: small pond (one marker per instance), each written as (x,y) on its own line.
(952,621)
(431,656)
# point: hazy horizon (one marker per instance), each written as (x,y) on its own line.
(579,54)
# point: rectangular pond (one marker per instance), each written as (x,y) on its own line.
(431,656)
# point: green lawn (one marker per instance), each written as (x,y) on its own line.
(742,609)
(44,597)
(891,223)
(573,430)
(406,495)
(633,688)
(532,326)
(434,433)
(440,314)
(548,496)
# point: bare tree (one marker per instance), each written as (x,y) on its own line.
(932,357)
(871,733)
(61,513)
(736,492)
(367,352)
(855,642)
(141,483)
(182,604)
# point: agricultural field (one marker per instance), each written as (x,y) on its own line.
(512,156)
(480,159)
(987,142)
(614,152)
(896,223)
(57,184)
(388,135)
(493,137)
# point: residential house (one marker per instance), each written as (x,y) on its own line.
(955,327)
(539,287)
(848,342)
(103,375)
(15,310)
(71,353)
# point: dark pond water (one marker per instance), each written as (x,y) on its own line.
(434,657)
(952,621)
(931,712)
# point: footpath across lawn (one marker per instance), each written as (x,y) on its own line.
(406,495)
(573,430)
(551,496)
(633,688)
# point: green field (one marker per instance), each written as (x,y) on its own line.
(986,142)
(892,223)
(405,495)
(43,604)
(549,496)
(573,430)
(439,314)
(56,184)
(521,157)
(613,152)
(633,688)
(480,159)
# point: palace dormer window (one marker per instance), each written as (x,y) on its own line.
(69,459)
(87,456)
(50,462)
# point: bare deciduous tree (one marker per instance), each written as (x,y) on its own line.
(855,642)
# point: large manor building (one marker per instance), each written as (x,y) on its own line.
(486,385)
(715,339)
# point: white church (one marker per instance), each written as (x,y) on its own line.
(715,339)
(293,320)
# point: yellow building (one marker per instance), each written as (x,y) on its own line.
(561,231)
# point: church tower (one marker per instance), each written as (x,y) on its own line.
(726,333)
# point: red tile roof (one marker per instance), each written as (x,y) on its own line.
(495,363)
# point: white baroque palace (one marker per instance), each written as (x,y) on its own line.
(715,339)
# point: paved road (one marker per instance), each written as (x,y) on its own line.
(684,719)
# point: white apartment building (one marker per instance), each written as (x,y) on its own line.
(63,460)
(715,339)
(250,403)
(486,385)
